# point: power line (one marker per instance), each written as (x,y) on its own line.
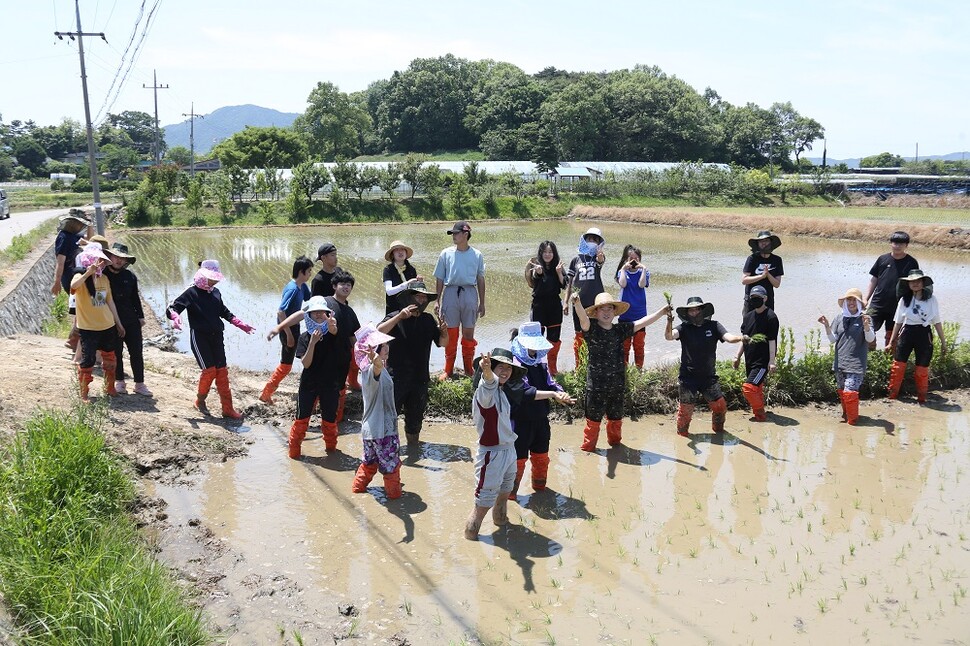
(134,32)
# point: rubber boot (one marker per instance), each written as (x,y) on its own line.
(392,483)
(365,473)
(225,395)
(639,349)
(590,435)
(577,344)
(353,382)
(842,401)
(109,365)
(756,399)
(329,435)
(84,379)
(274,382)
(896,375)
(451,353)
(468,355)
(540,467)
(553,357)
(614,431)
(684,414)
(718,414)
(205,383)
(921,375)
(297,434)
(850,401)
(519,470)
(341,401)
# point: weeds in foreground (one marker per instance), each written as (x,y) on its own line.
(57,324)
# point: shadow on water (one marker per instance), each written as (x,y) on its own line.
(782,420)
(436,451)
(523,545)
(404,508)
(622,454)
(729,439)
(336,461)
(552,505)
(873,422)
(942,405)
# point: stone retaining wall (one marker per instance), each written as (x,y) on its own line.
(25,296)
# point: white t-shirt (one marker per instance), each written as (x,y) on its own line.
(918,313)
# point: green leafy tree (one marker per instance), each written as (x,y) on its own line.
(58,141)
(364,179)
(117,159)
(345,175)
(504,112)
(269,147)
(30,154)
(308,178)
(195,196)
(577,120)
(333,125)
(274,182)
(430,180)
(459,193)
(389,178)
(239,182)
(260,186)
(140,129)
(411,171)
(882,160)
(179,155)
(474,175)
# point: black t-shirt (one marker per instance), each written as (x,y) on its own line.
(124,292)
(887,271)
(66,244)
(758,355)
(755,265)
(698,350)
(332,356)
(546,286)
(392,274)
(606,369)
(322,284)
(323,368)
(409,354)
(347,324)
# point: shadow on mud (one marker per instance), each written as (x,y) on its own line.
(729,439)
(623,454)
(523,546)
(549,504)
(335,461)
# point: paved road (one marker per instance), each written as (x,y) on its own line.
(19,223)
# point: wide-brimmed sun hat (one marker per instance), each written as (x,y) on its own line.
(368,338)
(594,231)
(101,240)
(530,337)
(316,304)
(419,287)
(853,292)
(209,269)
(707,309)
(121,250)
(92,251)
(764,235)
(501,355)
(77,216)
(397,244)
(604,298)
(916,274)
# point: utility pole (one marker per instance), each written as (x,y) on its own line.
(92,162)
(192,117)
(155,87)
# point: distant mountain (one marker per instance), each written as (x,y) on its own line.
(223,123)
(854,162)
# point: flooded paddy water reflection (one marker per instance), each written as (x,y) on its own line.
(257,263)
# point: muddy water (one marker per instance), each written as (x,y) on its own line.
(257,263)
(793,531)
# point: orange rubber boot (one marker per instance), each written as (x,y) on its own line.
(225,395)
(353,382)
(519,470)
(297,434)
(451,353)
(684,414)
(84,379)
(205,383)
(365,473)
(274,382)
(614,431)
(921,375)
(896,375)
(468,355)
(540,467)
(756,399)
(850,401)
(392,483)
(553,357)
(590,435)
(718,414)
(329,435)
(109,365)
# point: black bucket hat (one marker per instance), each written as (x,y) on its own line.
(418,287)
(707,309)
(764,235)
(501,355)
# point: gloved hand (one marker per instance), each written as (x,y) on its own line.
(175,319)
(245,327)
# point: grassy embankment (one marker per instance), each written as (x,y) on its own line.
(797,381)
(73,567)
(37,198)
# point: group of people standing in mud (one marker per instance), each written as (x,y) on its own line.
(389,361)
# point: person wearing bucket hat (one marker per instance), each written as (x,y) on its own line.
(124,291)
(409,358)
(460,286)
(66,247)
(378,422)
(398,274)
(761,324)
(605,373)
(762,268)
(294,294)
(584,278)
(917,313)
(97,319)
(699,335)
(314,384)
(203,301)
(851,331)
(322,283)
(881,296)
(530,416)
(495,457)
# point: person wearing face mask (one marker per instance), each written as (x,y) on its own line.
(699,336)
(851,331)
(409,354)
(759,355)
(762,268)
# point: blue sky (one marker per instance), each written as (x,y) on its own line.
(879,76)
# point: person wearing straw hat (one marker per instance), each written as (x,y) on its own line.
(398,275)
(97,319)
(605,373)
(495,457)
(851,331)
(759,356)
(917,313)
(881,297)
(699,336)
(378,423)
(409,357)
(291,302)
(530,415)
(763,268)
(584,276)
(460,286)
(203,301)
(124,291)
